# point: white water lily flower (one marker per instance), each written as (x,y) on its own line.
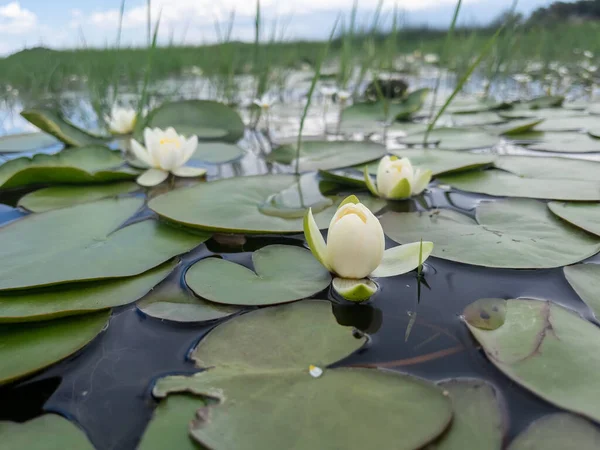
(328,92)
(165,152)
(265,102)
(121,120)
(344,95)
(522,78)
(588,54)
(431,58)
(355,250)
(397,179)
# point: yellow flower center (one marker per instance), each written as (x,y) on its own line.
(173,141)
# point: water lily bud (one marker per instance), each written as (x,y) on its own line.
(121,120)
(397,179)
(355,242)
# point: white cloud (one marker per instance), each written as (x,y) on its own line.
(16,20)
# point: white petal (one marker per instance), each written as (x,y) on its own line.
(421,181)
(152,177)
(168,155)
(141,153)
(188,171)
(384,183)
(171,133)
(189,148)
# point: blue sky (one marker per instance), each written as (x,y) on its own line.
(70,23)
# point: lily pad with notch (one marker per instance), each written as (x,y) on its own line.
(585,280)
(512,233)
(549,168)
(55,124)
(567,143)
(583,215)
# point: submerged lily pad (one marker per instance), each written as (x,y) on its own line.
(503,184)
(517,234)
(585,280)
(26,142)
(478,421)
(326,155)
(217,152)
(567,143)
(283,274)
(47,432)
(84,242)
(55,124)
(455,138)
(28,348)
(233,206)
(558,432)
(282,372)
(79,298)
(63,196)
(209,120)
(84,165)
(549,350)
(582,215)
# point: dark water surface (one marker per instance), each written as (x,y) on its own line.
(106,386)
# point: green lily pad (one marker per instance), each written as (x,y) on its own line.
(209,120)
(455,138)
(84,242)
(549,350)
(478,417)
(516,127)
(549,168)
(29,348)
(26,142)
(80,298)
(544,101)
(217,152)
(169,301)
(326,155)
(283,274)
(47,432)
(513,233)
(570,123)
(64,196)
(582,215)
(567,143)
(558,432)
(504,184)
(282,372)
(474,106)
(55,124)
(585,280)
(477,119)
(232,206)
(444,161)
(84,165)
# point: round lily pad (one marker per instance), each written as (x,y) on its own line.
(569,123)
(234,205)
(504,184)
(28,348)
(558,432)
(26,142)
(70,166)
(517,234)
(455,138)
(549,350)
(282,274)
(63,196)
(217,152)
(47,432)
(585,280)
(549,168)
(55,124)
(209,120)
(567,143)
(79,298)
(582,215)
(85,242)
(326,155)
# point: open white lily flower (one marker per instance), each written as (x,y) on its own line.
(522,78)
(265,102)
(588,54)
(355,250)
(327,91)
(431,58)
(165,152)
(121,120)
(344,95)
(397,179)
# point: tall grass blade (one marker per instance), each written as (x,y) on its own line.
(151,51)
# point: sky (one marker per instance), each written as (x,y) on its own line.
(94,23)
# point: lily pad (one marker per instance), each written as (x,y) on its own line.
(576,123)
(504,184)
(84,242)
(84,165)
(55,124)
(558,432)
(517,234)
(80,298)
(585,280)
(516,127)
(170,301)
(477,119)
(209,120)
(283,274)
(326,155)
(28,348)
(63,196)
(217,152)
(232,206)
(455,138)
(582,215)
(549,350)
(442,162)
(47,432)
(544,101)
(478,417)
(282,372)
(567,143)
(26,142)
(549,168)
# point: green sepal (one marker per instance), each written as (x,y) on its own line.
(355,290)
(372,189)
